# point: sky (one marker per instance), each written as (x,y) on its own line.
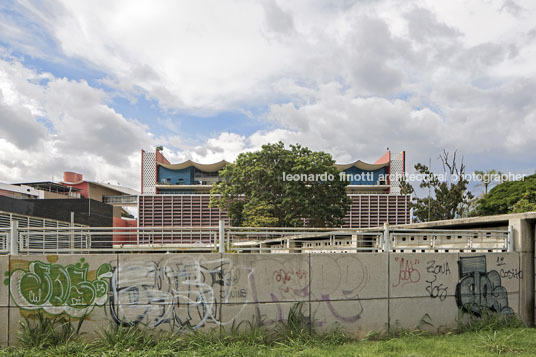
(85,85)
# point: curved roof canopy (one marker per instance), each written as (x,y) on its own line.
(361,165)
(202,167)
(217,166)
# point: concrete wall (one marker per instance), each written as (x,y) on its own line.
(357,292)
(523,226)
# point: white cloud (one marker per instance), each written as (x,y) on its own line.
(60,125)
(209,55)
(19,126)
(353,128)
(347,77)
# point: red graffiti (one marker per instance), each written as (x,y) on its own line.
(282,276)
(300,274)
(407,274)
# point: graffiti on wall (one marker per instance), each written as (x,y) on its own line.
(193,291)
(339,277)
(480,290)
(56,288)
(417,273)
(186,291)
(407,273)
(436,270)
(181,291)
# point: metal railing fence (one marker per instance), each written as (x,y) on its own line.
(85,240)
(436,240)
(5,234)
(77,240)
(289,240)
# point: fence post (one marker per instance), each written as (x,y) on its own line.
(510,242)
(386,238)
(71,238)
(222,236)
(380,242)
(14,238)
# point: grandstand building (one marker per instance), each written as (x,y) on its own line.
(179,194)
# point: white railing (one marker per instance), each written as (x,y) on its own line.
(436,240)
(124,199)
(282,240)
(76,240)
(296,240)
(4,240)
(84,240)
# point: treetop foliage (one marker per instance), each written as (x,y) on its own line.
(255,193)
(509,197)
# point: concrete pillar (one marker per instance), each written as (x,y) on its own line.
(523,239)
(14,238)
(222,236)
(291,246)
(72,233)
(354,242)
(381,243)
(510,239)
(386,237)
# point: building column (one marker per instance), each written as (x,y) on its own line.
(524,236)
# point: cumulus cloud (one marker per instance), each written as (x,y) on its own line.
(349,77)
(209,56)
(57,125)
(19,126)
(84,123)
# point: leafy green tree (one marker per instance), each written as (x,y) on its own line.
(526,204)
(256,191)
(450,196)
(508,197)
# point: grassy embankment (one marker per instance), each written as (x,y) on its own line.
(488,336)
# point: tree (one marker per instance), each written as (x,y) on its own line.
(260,189)
(526,204)
(450,195)
(508,197)
(487,178)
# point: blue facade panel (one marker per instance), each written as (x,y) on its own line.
(365,177)
(176,177)
(164,191)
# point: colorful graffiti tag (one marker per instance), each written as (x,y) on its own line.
(58,289)
(188,291)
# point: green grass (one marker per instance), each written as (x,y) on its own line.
(507,342)
(489,335)
(487,321)
(44,331)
